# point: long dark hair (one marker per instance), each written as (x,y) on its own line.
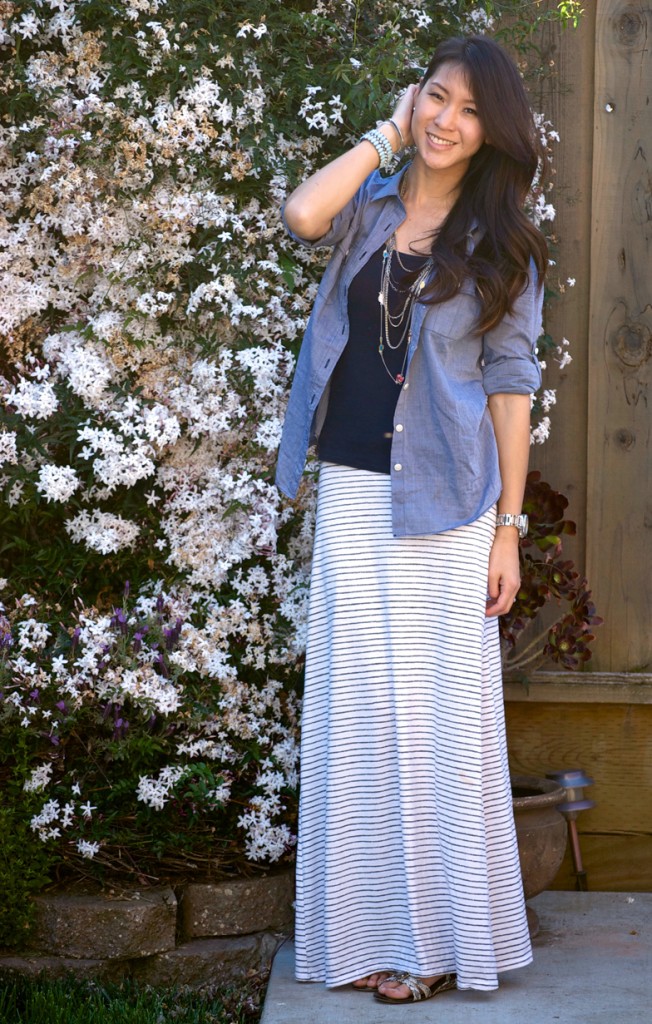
(494,188)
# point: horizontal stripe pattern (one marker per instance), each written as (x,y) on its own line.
(407,855)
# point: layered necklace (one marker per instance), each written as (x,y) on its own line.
(400,321)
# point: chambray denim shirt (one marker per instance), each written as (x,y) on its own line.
(444,458)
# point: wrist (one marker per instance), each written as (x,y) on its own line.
(393,133)
(517,522)
(507,535)
(380,140)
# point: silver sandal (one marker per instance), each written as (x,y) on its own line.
(418,989)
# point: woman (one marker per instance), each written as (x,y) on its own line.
(414,379)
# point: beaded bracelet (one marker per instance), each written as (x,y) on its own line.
(381,145)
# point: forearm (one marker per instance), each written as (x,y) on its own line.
(511,421)
(310,209)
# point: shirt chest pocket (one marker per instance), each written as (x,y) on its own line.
(456,319)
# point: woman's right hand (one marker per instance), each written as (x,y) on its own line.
(403,113)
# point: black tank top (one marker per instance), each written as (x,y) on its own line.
(359,423)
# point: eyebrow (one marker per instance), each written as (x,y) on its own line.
(469,99)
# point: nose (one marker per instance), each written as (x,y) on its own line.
(446,118)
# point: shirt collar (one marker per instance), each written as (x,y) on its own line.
(391,187)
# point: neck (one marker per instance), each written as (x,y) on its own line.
(422,187)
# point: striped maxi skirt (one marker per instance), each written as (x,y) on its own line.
(407,856)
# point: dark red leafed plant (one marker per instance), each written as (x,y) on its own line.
(544,577)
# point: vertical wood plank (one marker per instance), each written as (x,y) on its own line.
(565,97)
(619,492)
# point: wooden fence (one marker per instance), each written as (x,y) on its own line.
(599,453)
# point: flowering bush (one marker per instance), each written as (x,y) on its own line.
(150,313)
(130,722)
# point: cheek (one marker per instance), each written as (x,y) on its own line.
(480,137)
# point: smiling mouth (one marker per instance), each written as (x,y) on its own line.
(438,139)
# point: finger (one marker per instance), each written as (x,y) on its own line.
(403,112)
(493,585)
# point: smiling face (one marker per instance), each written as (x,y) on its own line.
(446,128)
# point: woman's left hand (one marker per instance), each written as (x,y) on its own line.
(504,571)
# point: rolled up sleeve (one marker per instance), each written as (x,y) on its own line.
(510,364)
(339,228)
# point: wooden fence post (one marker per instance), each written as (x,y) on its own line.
(619,467)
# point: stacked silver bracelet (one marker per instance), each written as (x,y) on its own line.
(390,120)
(381,145)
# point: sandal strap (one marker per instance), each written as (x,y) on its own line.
(418,989)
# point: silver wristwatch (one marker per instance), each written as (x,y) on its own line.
(520,522)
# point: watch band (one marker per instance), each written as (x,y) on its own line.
(519,521)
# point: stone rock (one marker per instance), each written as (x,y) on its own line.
(105,927)
(52,967)
(238,907)
(208,962)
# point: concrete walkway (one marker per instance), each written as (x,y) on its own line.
(592,965)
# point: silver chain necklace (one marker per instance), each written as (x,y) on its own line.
(404,317)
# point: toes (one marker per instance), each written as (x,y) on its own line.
(371,981)
(378,978)
(393,989)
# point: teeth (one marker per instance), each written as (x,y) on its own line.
(440,141)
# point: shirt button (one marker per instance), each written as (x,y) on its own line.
(406,386)
(399,427)
(398,467)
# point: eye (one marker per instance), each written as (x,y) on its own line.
(436,95)
(470,110)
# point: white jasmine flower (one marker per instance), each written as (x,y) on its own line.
(103,532)
(29,25)
(564,360)
(33,635)
(87,849)
(8,450)
(541,432)
(155,792)
(57,483)
(38,778)
(33,399)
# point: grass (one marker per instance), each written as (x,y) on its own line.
(24,1001)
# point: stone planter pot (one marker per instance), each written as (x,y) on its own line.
(541,832)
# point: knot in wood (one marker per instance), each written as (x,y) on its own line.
(629,27)
(632,344)
(625,439)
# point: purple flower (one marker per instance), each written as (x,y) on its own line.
(162,667)
(172,635)
(6,639)
(119,619)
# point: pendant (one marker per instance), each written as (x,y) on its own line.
(399,378)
